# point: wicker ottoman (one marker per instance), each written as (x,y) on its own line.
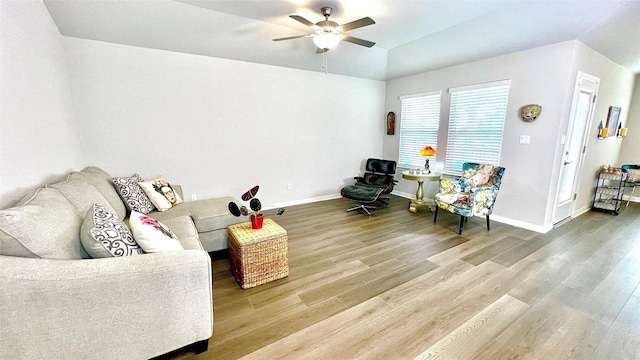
(258,256)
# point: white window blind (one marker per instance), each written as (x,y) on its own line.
(419,120)
(476,125)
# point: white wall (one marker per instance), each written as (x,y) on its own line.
(219,126)
(38,133)
(630,152)
(538,76)
(545,76)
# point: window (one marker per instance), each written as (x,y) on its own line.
(419,120)
(476,124)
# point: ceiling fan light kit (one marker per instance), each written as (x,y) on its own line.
(326,41)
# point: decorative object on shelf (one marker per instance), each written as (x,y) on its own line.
(427,151)
(622,131)
(608,169)
(531,112)
(255,215)
(603,132)
(391,123)
(612,120)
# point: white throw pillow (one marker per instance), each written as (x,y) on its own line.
(161,193)
(103,235)
(152,235)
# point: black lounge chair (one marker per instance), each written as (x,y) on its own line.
(378,179)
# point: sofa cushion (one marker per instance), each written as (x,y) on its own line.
(152,235)
(134,197)
(103,235)
(185,231)
(81,194)
(103,182)
(161,193)
(44,224)
(207,215)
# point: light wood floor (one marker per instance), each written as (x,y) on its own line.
(396,286)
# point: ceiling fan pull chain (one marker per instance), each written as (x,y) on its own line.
(324,62)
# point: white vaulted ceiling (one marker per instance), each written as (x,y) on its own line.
(412,36)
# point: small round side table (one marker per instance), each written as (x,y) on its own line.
(420,178)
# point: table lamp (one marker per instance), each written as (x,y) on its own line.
(427,151)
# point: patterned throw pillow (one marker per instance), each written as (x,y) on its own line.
(161,193)
(132,194)
(103,235)
(152,235)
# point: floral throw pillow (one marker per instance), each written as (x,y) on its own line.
(132,194)
(152,235)
(482,176)
(103,235)
(161,193)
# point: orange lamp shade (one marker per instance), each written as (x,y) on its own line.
(428,151)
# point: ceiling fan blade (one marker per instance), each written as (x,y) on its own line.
(357,41)
(292,37)
(302,20)
(321,51)
(356,24)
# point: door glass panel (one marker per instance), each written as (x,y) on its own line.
(575,144)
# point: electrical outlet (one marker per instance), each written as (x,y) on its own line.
(194,197)
(289,186)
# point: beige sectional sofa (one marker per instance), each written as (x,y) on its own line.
(57,303)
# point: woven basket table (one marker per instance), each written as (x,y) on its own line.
(258,256)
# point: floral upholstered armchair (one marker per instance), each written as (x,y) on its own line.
(472,194)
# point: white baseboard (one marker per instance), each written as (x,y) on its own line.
(403,194)
(303,201)
(522,224)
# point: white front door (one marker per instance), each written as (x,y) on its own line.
(584,98)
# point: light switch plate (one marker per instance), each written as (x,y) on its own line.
(525,139)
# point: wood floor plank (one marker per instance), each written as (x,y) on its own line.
(377,286)
(269,332)
(464,249)
(426,283)
(346,283)
(539,284)
(572,230)
(308,283)
(492,250)
(622,339)
(299,344)
(240,325)
(527,336)
(468,338)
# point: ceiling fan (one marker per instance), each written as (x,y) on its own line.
(327,33)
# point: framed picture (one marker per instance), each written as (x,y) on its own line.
(613,119)
(391,123)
